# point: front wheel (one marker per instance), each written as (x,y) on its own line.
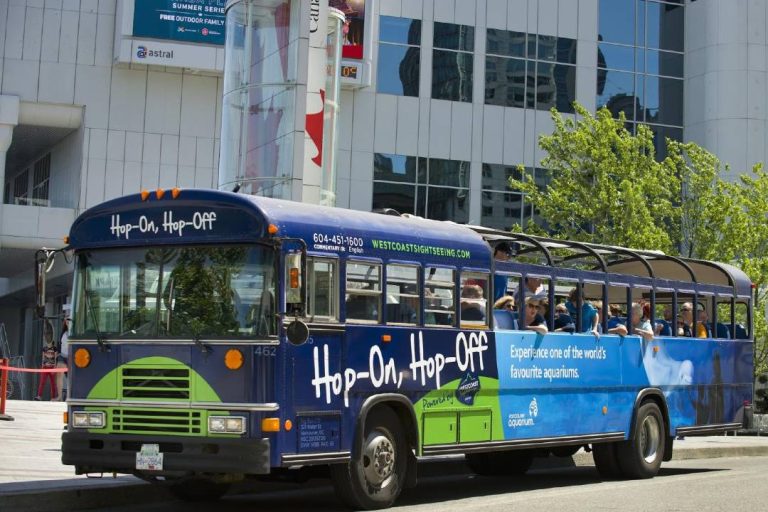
(374,477)
(641,456)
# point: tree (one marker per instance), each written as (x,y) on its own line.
(606,185)
(707,203)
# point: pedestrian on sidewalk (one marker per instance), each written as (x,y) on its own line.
(62,356)
(48,362)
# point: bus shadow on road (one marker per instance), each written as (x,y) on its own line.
(318,495)
(456,487)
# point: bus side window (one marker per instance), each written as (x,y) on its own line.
(439,297)
(741,314)
(402,294)
(618,311)
(363,292)
(322,290)
(474,299)
(723,327)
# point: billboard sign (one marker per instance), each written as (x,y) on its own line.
(192,21)
(354,27)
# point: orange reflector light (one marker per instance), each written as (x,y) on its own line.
(82,358)
(159,193)
(294,274)
(272,229)
(288,425)
(144,195)
(65,417)
(66,240)
(175,192)
(233,359)
(386,338)
(605,409)
(270,425)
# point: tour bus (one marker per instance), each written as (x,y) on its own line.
(218,337)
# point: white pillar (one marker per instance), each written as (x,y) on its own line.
(9,117)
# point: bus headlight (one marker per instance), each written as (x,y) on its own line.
(85,419)
(226,424)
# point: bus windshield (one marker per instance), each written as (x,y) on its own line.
(176,292)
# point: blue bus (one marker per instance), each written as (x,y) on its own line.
(218,337)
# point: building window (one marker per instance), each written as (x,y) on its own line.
(530,71)
(399,56)
(42,175)
(641,64)
(428,187)
(503,207)
(31,185)
(452,62)
(21,188)
(496,192)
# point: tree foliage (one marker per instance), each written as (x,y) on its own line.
(608,187)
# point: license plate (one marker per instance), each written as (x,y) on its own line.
(149,458)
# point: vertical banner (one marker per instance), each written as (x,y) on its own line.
(194,21)
(316,78)
(354,27)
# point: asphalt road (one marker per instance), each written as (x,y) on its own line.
(688,485)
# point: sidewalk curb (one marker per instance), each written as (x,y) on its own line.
(78,497)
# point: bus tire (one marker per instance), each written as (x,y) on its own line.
(198,489)
(606,460)
(375,476)
(505,463)
(641,456)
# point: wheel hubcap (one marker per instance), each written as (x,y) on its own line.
(650,439)
(378,459)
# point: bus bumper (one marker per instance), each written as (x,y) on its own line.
(99,453)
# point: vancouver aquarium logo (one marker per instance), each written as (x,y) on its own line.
(468,388)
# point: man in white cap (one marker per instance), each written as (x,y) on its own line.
(63,352)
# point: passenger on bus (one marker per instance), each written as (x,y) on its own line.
(534,321)
(641,325)
(472,303)
(505,302)
(502,252)
(616,322)
(533,287)
(664,325)
(684,324)
(590,318)
(563,321)
(702,322)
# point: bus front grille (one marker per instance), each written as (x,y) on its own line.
(155,383)
(156,421)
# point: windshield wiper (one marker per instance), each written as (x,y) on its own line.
(99,337)
(203,347)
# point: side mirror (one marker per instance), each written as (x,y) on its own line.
(298,332)
(44,259)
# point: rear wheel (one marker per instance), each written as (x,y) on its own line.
(374,478)
(641,456)
(506,463)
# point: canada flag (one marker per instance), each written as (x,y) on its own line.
(314,127)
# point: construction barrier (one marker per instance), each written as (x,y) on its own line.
(5,369)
